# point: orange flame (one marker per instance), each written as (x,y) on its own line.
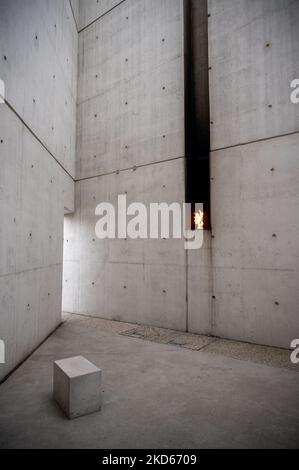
(198,220)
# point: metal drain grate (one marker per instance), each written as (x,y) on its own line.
(164,336)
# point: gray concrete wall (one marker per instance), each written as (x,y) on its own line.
(142,281)
(125,118)
(130,114)
(76,12)
(38,63)
(131,88)
(254,49)
(91,10)
(242,283)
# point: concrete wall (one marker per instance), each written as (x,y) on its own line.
(131,88)
(131,139)
(38,63)
(75,11)
(242,283)
(91,10)
(130,114)
(254,50)
(142,281)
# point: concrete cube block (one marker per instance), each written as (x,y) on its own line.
(76,386)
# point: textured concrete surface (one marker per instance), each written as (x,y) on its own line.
(75,4)
(131,88)
(141,281)
(154,396)
(34,191)
(255,246)
(88,11)
(242,283)
(131,113)
(38,63)
(253,47)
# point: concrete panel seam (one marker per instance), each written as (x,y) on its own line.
(249,268)
(128,169)
(74,16)
(14,273)
(101,16)
(100,94)
(255,141)
(37,138)
(31,354)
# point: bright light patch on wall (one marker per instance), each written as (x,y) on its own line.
(2,91)
(2,352)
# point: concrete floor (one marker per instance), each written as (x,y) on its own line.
(154,395)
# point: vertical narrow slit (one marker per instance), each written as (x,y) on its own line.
(197,115)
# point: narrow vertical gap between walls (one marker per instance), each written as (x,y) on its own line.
(197,115)
(186,6)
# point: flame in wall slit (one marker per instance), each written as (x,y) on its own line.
(199,220)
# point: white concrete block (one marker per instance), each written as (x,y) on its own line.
(76,386)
